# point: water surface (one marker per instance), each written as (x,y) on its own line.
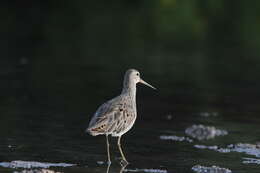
(33,132)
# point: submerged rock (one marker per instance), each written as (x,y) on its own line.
(175,138)
(212,169)
(32,164)
(202,132)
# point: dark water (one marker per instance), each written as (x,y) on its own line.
(61,60)
(34,131)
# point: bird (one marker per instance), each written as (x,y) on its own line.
(117,116)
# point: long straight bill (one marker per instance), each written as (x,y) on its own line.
(145,83)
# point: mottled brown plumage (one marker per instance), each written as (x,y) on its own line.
(117,116)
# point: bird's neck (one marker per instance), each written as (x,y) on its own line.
(129,88)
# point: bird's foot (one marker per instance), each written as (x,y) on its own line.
(124,162)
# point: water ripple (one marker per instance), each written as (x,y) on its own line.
(250,149)
(251,161)
(202,132)
(32,164)
(146,170)
(176,138)
(36,171)
(212,169)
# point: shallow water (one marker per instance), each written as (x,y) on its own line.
(59,137)
(59,62)
(50,125)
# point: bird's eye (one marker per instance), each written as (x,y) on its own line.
(137,74)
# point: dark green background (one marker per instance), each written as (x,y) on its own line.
(59,60)
(64,52)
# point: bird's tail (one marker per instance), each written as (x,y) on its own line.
(88,130)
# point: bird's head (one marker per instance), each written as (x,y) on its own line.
(133,75)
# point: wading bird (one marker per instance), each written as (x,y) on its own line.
(116,116)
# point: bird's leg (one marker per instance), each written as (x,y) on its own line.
(120,149)
(108,167)
(123,168)
(108,153)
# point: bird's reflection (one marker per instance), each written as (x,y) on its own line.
(108,167)
(123,166)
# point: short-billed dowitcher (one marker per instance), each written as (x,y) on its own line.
(117,116)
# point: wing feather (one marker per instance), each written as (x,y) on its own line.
(104,116)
